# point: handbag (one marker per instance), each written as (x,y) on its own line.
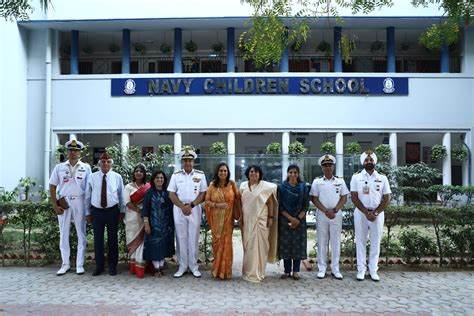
(63,203)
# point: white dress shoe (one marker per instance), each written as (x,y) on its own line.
(179,273)
(64,268)
(321,274)
(196,274)
(337,275)
(374,276)
(80,270)
(361,276)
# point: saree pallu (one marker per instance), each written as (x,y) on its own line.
(259,241)
(134,226)
(292,243)
(221,222)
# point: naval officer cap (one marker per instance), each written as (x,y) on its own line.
(74,145)
(368,153)
(187,153)
(327,159)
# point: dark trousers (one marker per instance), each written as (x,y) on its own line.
(287,264)
(100,218)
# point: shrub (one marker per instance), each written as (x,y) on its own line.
(415,245)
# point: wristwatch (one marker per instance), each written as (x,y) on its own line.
(376,213)
(192,204)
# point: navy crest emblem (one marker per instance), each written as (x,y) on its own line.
(388,85)
(129,86)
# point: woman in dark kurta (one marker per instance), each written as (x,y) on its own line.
(293,200)
(157,214)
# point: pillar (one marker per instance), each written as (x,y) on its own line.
(177,150)
(391,66)
(444,62)
(125,51)
(231,154)
(285,143)
(230,50)
(392,142)
(466,164)
(447,160)
(337,49)
(178,53)
(339,154)
(74,52)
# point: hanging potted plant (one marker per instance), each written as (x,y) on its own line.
(438,152)
(165,48)
(191,46)
(383,152)
(296,148)
(376,46)
(273,148)
(459,152)
(347,47)
(324,47)
(295,47)
(114,48)
(217,47)
(139,48)
(353,148)
(218,148)
(328,148)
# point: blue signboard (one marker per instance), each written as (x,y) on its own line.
(259,86)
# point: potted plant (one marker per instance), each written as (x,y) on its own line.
(324,47)
(296,148)
(459,152)
(438,152)
(347,47)
(217,47)
(114,48)
(353,148)
(88,49)
(218,148)
(376,46)
(295,47)
(190,46)
(328,148)
(273,148)
(165,48)
(139,48)
(383,152)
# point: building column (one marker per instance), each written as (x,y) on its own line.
(392,142)
(285,143)
(466,164)
(447,160)
(339,154)
(178,53)
(337,49)
(125,51)
(74,61)
(467,66)
(231,154)
(284,67)
(391,66)
(230,50)
(444,61)
(177,151)
(48,154)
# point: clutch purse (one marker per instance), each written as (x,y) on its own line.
(63,203)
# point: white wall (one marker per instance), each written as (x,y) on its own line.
(429,105)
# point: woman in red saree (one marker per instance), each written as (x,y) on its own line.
(222,207)
(134,226)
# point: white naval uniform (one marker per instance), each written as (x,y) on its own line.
(376,187)
(329,192)
(71,183)
(187,187)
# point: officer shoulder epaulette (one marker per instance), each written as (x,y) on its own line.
(198,171)
(357,172)
(338,177)
(179,171)
(317,177)
(382,174)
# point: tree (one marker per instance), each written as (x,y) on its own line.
(269,36)
(20,9)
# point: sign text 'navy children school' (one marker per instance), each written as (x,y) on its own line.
(194,86)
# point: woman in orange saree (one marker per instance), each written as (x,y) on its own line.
(134,227)
(222,207)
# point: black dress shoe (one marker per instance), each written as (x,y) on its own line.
(113,272)
(97,272)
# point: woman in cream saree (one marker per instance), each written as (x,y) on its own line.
(259,227)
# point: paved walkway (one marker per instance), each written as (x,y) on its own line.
(40,291)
